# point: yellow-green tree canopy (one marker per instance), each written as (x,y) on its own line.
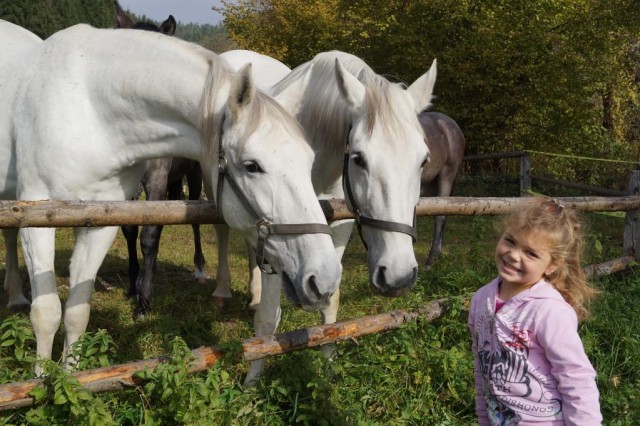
(548,75)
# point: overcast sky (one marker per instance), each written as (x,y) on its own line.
(185,11)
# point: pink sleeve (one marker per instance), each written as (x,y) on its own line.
(570,365)
(481,406)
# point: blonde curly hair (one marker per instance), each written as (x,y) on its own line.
(563,231)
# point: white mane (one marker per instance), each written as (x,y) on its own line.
(323,103)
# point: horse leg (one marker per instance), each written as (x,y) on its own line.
(200,275)
(255,278)
(38,245)
(130,233)
(444,190)
(222,292)
(436,245)
(149,244)
(266,320)
(342,230)
(91,247)
(155,183)
(12,280)
(194,181)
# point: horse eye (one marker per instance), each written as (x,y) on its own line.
(426,160)
(358,159)
(253,167)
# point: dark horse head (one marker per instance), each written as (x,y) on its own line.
(123,21)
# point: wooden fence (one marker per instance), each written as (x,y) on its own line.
(17,214)
(526,177)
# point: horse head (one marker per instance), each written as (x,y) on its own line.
(168,27)
(265,191)
(385,155)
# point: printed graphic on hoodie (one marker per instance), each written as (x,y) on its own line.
(510,387)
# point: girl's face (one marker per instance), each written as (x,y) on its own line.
(523,258)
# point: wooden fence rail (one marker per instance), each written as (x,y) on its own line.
(16,395)
(23,214)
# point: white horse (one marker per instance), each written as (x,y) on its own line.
(360,123)
(78,125)
(16,43)
(267,71)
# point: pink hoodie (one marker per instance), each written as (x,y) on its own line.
(530,365)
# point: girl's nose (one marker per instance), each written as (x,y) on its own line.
(513,255)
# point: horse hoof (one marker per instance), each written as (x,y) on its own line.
(139,314)
(201,280)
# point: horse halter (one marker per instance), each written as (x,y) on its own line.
(368,221)
(264,227)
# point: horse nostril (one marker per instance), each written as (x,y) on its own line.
(313,287)
(380,276)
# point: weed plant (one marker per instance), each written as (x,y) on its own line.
(420,374)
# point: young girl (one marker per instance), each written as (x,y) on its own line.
(530,365)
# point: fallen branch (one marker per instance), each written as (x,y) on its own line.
(16,395)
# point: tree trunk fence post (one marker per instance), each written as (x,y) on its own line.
(525,174)
(631,230)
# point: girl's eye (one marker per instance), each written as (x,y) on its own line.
(509,240)
(532,254)
(358,159)
(253,167)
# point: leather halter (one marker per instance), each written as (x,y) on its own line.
(368,221)
(264,227)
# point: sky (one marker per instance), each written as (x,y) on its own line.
(185,11)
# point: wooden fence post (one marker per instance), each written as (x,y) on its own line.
(525,174)
(631,243)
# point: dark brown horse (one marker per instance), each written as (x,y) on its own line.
(162,180)
(446,144)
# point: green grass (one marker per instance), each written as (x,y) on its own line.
(421,373)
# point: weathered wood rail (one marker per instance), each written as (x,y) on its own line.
(16,395)
(22,214)
(47,213)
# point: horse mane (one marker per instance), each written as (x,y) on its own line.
(324,104)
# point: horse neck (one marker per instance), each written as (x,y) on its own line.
(156,95)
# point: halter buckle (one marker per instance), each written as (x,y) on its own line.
(264,227)
(223,164)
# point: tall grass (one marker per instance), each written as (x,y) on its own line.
(419,374)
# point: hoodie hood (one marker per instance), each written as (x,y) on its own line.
(543,289)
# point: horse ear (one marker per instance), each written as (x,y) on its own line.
(350,87)
(242,92)
(168,27)
(122,20)
(422,89)
(290,98)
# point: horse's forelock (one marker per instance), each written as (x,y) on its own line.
(386,104)
(266,108)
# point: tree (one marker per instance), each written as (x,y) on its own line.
(515,75)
